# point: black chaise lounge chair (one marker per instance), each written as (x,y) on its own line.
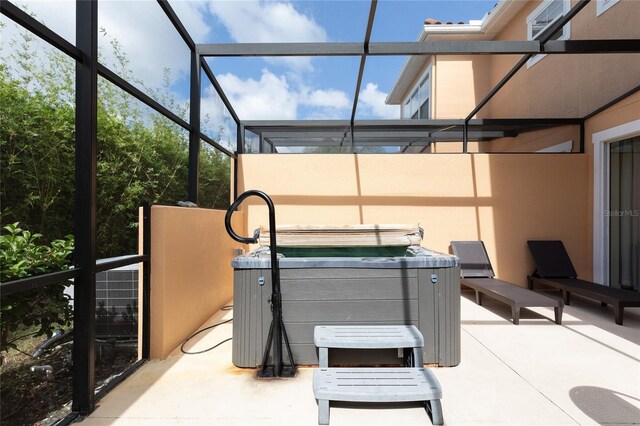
(476,272)
(554,269)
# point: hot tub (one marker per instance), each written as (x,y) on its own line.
(421,288)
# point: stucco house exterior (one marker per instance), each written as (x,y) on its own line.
(601,90)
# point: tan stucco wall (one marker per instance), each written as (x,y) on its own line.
(558,86)
(456,147)
(567,85)
(460,82)
(501,199)
(191,274)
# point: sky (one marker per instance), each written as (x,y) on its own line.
(261,88)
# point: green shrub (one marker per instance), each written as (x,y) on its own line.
(38,311)
(142,156)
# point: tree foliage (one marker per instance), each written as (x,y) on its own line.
(36,144)
(38,311)
(142,156)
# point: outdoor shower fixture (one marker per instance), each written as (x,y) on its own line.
(277,331)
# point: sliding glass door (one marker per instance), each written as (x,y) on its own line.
(624,214)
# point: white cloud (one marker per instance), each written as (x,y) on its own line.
(146,37)
(328,104)
(58,15)
(191,14)
(144,33)
(331,98)
(15,41)
(273,97)
(151,43)
(371,103)
(267,98)
(269,22)
(263,22)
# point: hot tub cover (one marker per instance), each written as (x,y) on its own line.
(367,235)
(417,257)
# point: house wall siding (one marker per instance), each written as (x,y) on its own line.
(460,83)
(567,85)
(558,86)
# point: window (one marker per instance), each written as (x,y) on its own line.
(602,197)
(414,104)
(417,105)
(541,18)
(603,5)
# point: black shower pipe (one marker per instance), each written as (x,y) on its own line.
(276,331)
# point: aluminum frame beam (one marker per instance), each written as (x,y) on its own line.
(340,134)
(611,103)
(283,126)
(382,134)
(505,47)
(216,85)
(28,22)
(517,47)
(17,286)
(177,24)
(425,137)
(280,49)
(374,49)
(122,84)
(216,145)
(577,47)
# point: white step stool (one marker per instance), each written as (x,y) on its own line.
(374,384)
(377,385)
(368,337)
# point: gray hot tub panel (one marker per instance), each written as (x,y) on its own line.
(348,296)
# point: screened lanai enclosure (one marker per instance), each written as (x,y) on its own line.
(206,151)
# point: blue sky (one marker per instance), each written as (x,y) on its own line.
(262,88)
(334,77)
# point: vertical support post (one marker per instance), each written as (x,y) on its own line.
(353,137)
(194,122)
(239,150)
(465,137)
(261,144)
(235,178)
(146,282)
(85,207)
(240,139)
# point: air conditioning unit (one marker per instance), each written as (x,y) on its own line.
(117,303)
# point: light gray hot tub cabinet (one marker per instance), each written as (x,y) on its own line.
(348,291)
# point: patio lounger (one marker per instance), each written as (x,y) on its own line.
(554,268)
(476,272)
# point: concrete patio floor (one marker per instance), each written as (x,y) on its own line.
(586,371)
